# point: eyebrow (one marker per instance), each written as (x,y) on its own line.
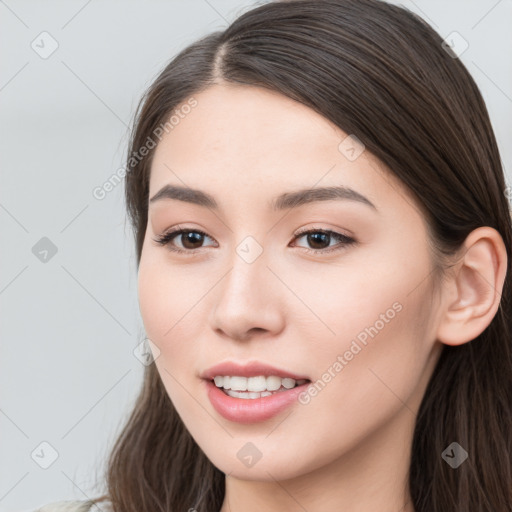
(284,201)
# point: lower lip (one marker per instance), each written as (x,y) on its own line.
(252,410)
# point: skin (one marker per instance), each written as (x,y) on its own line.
(349,447)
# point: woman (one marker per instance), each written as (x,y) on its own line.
(322,238)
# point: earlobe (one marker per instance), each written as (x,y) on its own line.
(472,295)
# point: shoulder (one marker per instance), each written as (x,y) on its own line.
(67,506)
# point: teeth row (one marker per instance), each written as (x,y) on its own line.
(256,384)
(250,394)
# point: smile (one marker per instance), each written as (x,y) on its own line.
(243,406)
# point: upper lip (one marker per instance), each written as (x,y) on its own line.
(250,369)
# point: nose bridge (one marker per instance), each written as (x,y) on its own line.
(247,298)
(248,272)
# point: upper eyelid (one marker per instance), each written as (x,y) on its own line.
(301,232)
(179,227)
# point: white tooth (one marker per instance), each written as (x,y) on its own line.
(257,383)
(288,383)
(242,394)
(248,395)
(238,383)
(273,383)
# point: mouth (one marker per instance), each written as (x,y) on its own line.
(246,406)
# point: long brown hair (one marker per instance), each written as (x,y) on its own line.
(381,73)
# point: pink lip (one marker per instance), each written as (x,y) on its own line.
(251,410)
(251,369)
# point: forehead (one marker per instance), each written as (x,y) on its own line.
(259,141)
(246,123)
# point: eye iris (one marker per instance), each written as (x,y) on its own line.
(317,237)
(191,236)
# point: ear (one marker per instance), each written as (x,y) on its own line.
(472,294)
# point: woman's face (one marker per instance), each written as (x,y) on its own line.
(357,318)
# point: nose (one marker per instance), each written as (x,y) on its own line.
(248,303)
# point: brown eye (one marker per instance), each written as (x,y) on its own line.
(320,239)
(191,239)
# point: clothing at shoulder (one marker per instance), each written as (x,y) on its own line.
(74,506)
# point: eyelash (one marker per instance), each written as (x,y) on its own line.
(166,238)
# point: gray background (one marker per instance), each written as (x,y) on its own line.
(70,324)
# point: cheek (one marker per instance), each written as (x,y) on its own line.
(381,289)
(373,303)
(337,302)
(375,346)
(167,309)
(169,300)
